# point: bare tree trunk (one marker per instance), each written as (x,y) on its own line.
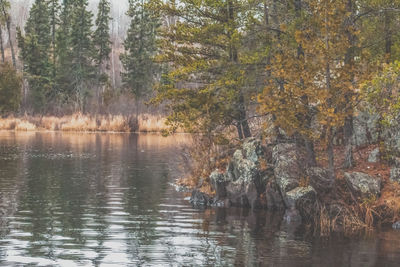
(1,46)
(331,159)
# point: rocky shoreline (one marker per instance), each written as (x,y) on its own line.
(275,177)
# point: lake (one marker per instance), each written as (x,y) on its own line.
(69,199)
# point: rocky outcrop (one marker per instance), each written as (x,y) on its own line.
(363,184)
(258,177)
(244,181)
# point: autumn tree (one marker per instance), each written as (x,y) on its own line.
(316,84)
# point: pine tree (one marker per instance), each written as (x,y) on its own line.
(81,54)
(140,48)
(63,54)
(102,43)
(209,88)
(54,7)
(35,54)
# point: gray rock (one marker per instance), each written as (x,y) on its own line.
(395,174)
(300,196)
(252,149)
(200,199)
(287,169)
(396,225)
(365,128)
(374,156)
(218,182)
(363,184)
(320,179)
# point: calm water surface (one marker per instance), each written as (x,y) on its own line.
(107,200)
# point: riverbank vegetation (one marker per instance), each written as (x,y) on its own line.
(316,81)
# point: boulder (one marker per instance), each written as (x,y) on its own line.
(218,183)
(396,225)
(287,169)
(320,179)
(243,181)
(395,174)
(365,128)
(200,199)
(252,150)
(374,156)
(300,196)
(363,184)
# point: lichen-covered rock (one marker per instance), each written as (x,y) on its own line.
(395,174)
(287,169)
(374,156)
(300,196)
(363,184)
(396,225)
(252,149)
(243,181)
(365,128)
(320,179)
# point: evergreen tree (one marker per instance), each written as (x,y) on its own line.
(81,53)
(54,7)
(62,53)
(140,48)
(35,53)
(102,43)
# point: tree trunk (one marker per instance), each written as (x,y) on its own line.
(1,46)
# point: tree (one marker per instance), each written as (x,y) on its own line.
(10,89)
(208,89)
(81,53)
(4,10)
(140,48)
(102,43)
(319,83)
(35,54)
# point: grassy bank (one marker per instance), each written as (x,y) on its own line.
(85,123)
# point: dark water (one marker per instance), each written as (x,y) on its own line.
(106,200)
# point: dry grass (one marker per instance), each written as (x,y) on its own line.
(85,123)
